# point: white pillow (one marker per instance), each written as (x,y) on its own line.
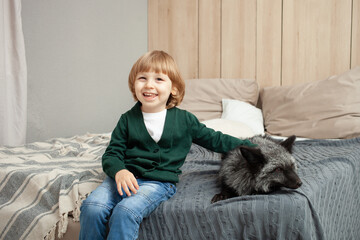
(243,112)
(233,128)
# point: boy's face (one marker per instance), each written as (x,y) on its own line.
(153,91)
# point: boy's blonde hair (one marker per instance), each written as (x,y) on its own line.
(159,62)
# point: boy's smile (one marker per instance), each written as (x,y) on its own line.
(153,91)
(149,96)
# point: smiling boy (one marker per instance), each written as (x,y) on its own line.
(146,151)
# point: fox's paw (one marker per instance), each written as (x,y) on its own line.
(219,197)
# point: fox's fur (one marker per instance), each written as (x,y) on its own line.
(262,169)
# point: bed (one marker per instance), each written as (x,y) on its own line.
(42,184)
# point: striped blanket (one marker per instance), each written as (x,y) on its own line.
(42,183)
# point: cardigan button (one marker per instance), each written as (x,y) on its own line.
(156,150)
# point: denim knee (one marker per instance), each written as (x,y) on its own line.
(94,210)
(130,214)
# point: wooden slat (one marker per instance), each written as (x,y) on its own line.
(316,39)
(173,27)
(157,27)
(238,38)
(355,49)
(209,38)
(268,43)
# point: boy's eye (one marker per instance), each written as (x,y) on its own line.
(159,79)
(142,78)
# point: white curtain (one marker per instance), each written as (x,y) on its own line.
(13,75)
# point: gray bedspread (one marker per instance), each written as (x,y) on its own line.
(326,206)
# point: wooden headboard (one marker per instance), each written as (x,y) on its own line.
(277,42)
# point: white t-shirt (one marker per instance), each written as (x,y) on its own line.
(154,123)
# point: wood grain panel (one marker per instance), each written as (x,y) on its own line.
(238,39)
(355,44)
(276,42)
(209,38)
(268,43)
(316,39)
(173,27)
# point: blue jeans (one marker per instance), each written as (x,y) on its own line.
(122,214)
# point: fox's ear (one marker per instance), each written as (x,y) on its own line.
(252,155)
(288,143)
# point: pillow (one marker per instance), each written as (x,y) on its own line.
(323,109)
(203,96)
(233,128)
(243,112)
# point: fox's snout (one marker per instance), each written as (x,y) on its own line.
(295,185)
(293,180)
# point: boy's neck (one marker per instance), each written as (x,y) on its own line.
(152,111)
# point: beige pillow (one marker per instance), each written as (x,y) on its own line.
(232,128)
(323,109)
(203,96)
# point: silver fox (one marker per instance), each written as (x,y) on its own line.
(245,170)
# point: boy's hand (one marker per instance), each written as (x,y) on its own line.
(126,180)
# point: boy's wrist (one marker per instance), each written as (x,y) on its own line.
(249,143)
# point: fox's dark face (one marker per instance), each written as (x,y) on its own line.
(279,177)
(276,165)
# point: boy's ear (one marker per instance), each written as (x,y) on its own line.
(288,143)
(174,90)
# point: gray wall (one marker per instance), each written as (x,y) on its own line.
(79,54)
